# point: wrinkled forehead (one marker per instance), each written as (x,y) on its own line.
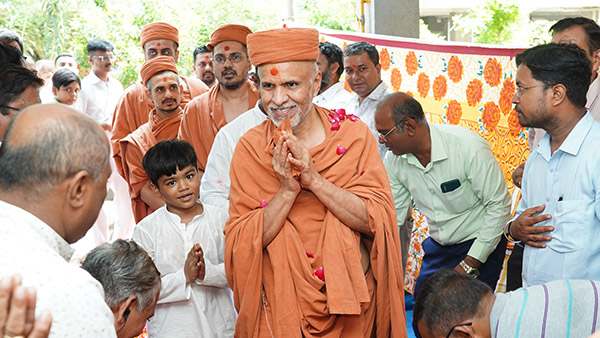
(291,69)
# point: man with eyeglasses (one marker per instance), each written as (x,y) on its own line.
(157,39)
(456,183)
(100,92)
(453,305)
(19,88)
(235,94)
(558,217)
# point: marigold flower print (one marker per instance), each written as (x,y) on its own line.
(439,87)
(385,59)
(455,69)
(492,72)
(490,116)
(453,112)
(411,63)
(474,92)
(423,85)
(396,79)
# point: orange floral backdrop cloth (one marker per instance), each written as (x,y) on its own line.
(466,85)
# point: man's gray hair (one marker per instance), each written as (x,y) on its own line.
(124,269)
(51,153)
(6,35)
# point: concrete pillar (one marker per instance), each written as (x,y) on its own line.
(392,17)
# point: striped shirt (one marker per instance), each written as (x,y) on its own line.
(563,308)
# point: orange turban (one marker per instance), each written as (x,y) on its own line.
(229,33)
(157,31)
(157,65)
(283,45)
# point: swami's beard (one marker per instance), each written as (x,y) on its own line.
(296,117)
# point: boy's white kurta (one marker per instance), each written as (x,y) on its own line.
(201,308)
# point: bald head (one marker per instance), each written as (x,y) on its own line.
(46,144)
(402,106)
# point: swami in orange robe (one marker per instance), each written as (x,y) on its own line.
(135,103)
(135,145)
(203,117)
(348,302)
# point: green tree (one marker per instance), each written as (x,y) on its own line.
(333,14)
(493,22)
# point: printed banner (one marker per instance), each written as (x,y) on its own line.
(464,84)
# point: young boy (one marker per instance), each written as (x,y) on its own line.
(65,87)
(185,239)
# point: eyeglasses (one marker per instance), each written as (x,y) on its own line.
(13,108)
(383,136)
(519,90)
(234,58)
(104,58)
(455,326)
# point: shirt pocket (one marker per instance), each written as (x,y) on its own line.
(571,226)
(460,199)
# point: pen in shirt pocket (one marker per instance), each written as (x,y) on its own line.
(560,198)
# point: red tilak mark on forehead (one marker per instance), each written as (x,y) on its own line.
(207,57)
(164,79)
(158,44)
(226,48)
(354,67)
(274,71)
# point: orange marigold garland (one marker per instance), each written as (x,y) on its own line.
(474,92)
(506,94)
(396,79)
(490,116)
(423,84)
(384,59)
(455,69)
(439,87)
(411,63)
(492,72)
(453,112)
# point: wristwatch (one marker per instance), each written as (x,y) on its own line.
(471,271)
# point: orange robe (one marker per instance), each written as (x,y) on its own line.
(133,107)
(348,303)
(133,148)
(203,117)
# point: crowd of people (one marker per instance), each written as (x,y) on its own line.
(259,198)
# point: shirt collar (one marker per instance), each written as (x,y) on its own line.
(375,95)
(438,151)
(572,143)
(332,91)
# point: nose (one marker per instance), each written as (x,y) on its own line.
(279,96)
(183,184)
(514,98)
(209,67)
(380,139)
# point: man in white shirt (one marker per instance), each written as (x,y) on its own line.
(332,94)
(99,91)
(214,188)
(53,172)
(363,75)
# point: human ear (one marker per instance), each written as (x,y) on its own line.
(559,94)
(77,187)
(595,62)
(155,189)
(463,331)
(410,126)
(124,310)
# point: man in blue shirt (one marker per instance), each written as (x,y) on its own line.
(558,216)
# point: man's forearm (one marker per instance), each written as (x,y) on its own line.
(276,213)
(346,206)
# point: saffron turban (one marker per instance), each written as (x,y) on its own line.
(159,30)
(229,33)
(283,45)
(157,65)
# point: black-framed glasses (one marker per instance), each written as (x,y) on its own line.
(234,58)
(519,89)
(13,108)
(455,326)
(104,58)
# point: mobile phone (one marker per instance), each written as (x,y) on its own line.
(450,185)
